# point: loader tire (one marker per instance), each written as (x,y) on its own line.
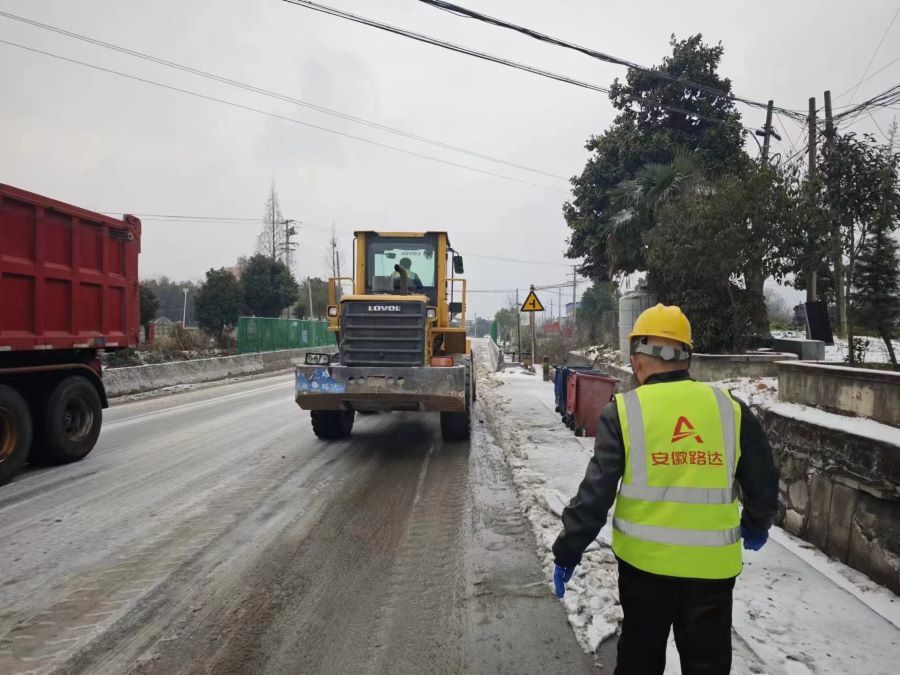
(68,424)
(15,432)
(457,426)
(332,425)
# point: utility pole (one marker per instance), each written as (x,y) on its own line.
(518,326)
(767,132)
(574,302)
(289,232)
(559,312)
(309,288)
(837,249)
(811,273)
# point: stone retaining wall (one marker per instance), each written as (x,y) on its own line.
(840,492)
(139,379)
(851,391)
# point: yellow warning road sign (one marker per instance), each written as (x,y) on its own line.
(532,304)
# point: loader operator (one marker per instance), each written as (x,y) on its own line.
(415,283)
(679,447)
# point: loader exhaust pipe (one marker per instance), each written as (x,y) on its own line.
(404,279)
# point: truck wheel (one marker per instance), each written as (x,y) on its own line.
(15,432)
(457,426)
(70,425)
(332,425)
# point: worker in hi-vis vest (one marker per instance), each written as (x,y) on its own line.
(680,448)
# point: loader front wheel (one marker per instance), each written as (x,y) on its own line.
(457,426)
(332,425)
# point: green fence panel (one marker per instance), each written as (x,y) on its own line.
(258,334)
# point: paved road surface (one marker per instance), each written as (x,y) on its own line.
(210,531)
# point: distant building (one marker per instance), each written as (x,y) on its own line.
(570,306)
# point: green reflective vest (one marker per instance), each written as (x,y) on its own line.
(677,512)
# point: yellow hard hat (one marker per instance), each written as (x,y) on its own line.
(665,322)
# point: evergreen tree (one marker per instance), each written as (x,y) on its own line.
(219,302)
(877,297)
(268,286)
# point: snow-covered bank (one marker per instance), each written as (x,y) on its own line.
(874,349)
(795,610)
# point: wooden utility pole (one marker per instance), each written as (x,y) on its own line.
(574,303)
(767,132)
(811,273)
(837,248)
(518,326)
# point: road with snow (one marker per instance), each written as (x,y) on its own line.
(210,531)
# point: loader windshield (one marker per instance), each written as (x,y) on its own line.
(418,256)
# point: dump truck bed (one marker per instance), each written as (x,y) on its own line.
(68,276)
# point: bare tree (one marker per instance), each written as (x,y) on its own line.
(271,239)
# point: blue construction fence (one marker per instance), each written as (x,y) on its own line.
(256,334)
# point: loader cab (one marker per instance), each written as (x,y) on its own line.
(417,255)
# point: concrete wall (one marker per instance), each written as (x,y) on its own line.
(851,391)
(840,492)
(125,381)
(714,367)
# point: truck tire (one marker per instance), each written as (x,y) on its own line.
(457,426)
(332,425)
(70,423)
(15,432)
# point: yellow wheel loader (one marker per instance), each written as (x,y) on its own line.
(400,329)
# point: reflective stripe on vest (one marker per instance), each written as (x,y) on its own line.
(639,489)
(679,537)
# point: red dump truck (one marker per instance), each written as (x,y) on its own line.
(68,289)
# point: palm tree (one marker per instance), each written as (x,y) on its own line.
(653,185)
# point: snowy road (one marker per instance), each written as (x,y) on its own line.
(210,531)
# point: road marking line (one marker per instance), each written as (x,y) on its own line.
(23,636)
(198,404)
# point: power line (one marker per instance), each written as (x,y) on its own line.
(877,72)
(232,220)
(471,14)
(875,53)
(276,95)
(282,117)
(445,45)
(419,37)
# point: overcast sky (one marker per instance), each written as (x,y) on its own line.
(107,143)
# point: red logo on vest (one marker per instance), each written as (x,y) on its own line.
(683,429)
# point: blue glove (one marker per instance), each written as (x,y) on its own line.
(561,576)
(753,541)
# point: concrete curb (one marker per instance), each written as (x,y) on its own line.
(140,379)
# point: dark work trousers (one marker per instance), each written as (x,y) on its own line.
(699,610)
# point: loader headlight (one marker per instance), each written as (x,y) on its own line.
(431,313)
(332,310)
(318,359)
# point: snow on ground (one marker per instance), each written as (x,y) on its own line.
(875,352)
(796,612)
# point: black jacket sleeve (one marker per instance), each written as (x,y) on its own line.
(756,474)
(586,514)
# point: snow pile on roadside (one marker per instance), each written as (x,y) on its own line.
(754,391)
(547,464)
(600,354)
